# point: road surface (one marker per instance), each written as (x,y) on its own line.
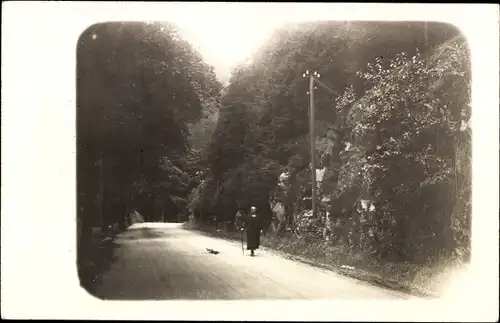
(164,261)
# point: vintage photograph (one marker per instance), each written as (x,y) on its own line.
(308,160)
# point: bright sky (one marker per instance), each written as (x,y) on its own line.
(226,36)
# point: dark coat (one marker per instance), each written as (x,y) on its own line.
(253,227)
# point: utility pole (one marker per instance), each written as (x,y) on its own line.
(313,142)
(312,139)
(314,79)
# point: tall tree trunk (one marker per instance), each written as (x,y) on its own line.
(153,206)
(101,192)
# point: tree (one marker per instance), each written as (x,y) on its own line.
(141,91)
(268,96)
(405,133)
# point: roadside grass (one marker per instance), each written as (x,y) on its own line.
(417,280)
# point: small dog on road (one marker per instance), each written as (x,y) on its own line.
(212,251)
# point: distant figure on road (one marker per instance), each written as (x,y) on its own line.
(253,227)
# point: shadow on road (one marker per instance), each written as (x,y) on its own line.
(143,233)
(98,260)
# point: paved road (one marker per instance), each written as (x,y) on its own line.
(164,261)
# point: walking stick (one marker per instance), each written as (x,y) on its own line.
(242,248)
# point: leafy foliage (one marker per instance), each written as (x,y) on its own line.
(395,145)
(145,97)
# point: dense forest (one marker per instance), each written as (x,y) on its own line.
(157,133)
(142,94)
(394,148)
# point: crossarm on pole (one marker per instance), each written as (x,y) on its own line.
(326,87)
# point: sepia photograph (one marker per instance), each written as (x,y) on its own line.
(332,161)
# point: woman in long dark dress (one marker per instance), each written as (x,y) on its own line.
(253,227)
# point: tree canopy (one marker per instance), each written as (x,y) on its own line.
(157,132)
(142,92)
